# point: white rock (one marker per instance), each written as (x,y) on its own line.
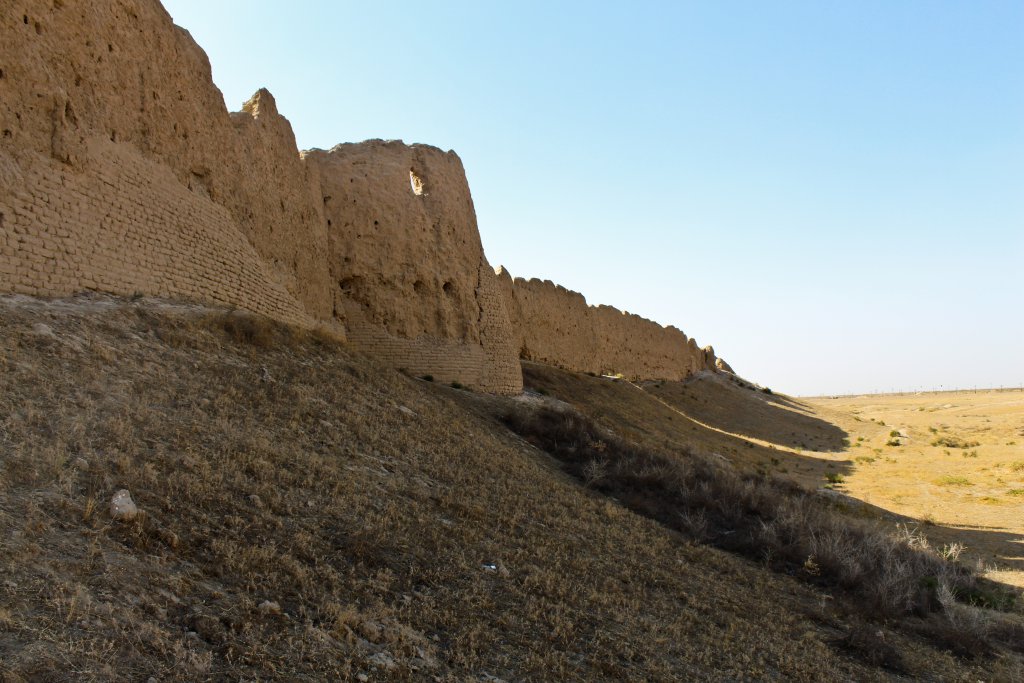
(269,607)
(122,507)
(383,660)
(43,330)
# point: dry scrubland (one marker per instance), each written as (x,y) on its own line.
(952,459)
(308,514)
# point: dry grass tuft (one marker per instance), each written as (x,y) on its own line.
(868,644)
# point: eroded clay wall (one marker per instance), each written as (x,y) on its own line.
(72,73)
(555,325)
(405,252)
(121,170)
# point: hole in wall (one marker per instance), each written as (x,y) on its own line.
(448,288)
(349,284)
(199,183)
(1,73)
(416,182)
(328,222)
(39,29)
(418,286)
(8,133)
(25,19)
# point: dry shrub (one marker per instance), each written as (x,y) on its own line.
(869,645)
(951,441)
(889,575)
(253,330)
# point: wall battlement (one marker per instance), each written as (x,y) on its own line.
(122,171)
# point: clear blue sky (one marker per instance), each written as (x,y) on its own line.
(831,193)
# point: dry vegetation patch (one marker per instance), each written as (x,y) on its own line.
(957,470)
(766,519)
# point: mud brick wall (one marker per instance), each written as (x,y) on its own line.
(121,70)
(405,252)
(126,226)
(555,325)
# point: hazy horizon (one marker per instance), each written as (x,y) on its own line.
(832,196)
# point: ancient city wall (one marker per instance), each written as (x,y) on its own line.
(121,170)
(555,325)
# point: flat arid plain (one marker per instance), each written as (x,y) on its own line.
(954,460)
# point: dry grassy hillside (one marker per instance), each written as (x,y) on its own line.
(306,514)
